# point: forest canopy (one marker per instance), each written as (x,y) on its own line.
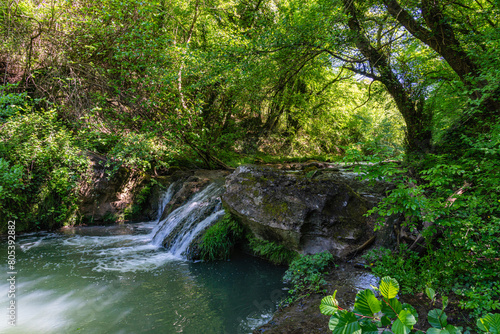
(410,85)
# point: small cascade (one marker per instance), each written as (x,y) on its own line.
(164,200)
(183,225)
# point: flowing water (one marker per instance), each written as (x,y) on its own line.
(134,278)
(118,279)
(184,223)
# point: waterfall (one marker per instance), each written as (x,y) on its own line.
(183,225)
(164,200)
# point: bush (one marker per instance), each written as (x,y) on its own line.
(453,203)
(40,170)
(386,314)
(306,275)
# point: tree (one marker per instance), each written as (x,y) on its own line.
(456,30)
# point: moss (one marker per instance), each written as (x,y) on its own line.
(275,209)
(140,200)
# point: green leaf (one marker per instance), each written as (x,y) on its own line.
(452,329)
(448,330)
(430,293)
(329,305)
(437,331)
(404,323)
(389,287)
(369,328)
(393,309)
(445,302)
(490,323)
(366,303)
(437,318)
(385,320)
(344,322)
(411,309)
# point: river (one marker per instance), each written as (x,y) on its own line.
(115,280)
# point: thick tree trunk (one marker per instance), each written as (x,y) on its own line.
(418,133)
(440,36)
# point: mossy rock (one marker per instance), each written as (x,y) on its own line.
(304,214)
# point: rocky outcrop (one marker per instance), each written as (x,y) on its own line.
(104,198)
(308,212)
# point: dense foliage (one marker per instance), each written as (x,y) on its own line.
(40,168)
(306,275)
(388,315)
(412,86)
(449,235)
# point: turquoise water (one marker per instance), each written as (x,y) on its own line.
(113,280)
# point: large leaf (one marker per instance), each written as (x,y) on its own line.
(437,318)
(369,328)
(411,309)
(344,322)
(389,287)
(452,329)
(329,305)
(490,323)
(437,331)
(393,309)
(366,303)
(404,323)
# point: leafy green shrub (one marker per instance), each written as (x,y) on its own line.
(12,103)
(219,239)
(389,315)
(277,254)
(40,171)
(403,265)
(306,275)
(140,199)
(453,202)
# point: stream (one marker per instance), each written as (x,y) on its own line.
(115,280)
(135,278)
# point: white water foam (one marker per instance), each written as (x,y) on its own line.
(185,219)
(165,198)
(42,310)
(181,244)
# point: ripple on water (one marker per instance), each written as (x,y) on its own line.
(120,283)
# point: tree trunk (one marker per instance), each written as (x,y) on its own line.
(440,36)
(418,133)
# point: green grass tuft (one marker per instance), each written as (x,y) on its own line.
(277,254)
(218,241)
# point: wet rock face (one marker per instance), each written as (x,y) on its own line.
(304,213)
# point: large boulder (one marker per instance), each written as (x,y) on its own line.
(308,212)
